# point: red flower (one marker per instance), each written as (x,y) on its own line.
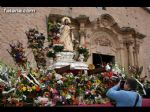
(12,100)
(46,94)
(19,73)
(4,100)
(110,74)
(63,79)
(38,88)
(19,104)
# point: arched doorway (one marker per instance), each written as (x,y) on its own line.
(99,59)
(104,45)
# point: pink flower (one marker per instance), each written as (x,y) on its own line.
(54,91)
(87,92)
(56,98)
(53,104)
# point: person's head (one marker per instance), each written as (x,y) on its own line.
(130,84)
(66,21)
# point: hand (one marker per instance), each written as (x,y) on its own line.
(119,83)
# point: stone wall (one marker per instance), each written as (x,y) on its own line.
(14,25)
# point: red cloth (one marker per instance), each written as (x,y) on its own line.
(91,105)
(145,103)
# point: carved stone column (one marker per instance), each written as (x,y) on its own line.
(136,53)
(82,19)
(82,38)
(128,44)
(130,58)
(138,38)
(120,51)
(131,54)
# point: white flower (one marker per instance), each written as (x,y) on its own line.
(76,77)
(68,96)
(67,75)
(58,76)
(48,104)
(107,67)
(60,82)
(123,75)
(71,75)
(86,79)
(42,100)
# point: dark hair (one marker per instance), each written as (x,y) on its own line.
(132,83)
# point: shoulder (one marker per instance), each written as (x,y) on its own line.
(123,92)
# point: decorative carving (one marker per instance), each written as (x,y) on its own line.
(83,19)
(107,20)
(128,43)
(103,42)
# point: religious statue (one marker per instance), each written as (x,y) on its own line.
(67,37)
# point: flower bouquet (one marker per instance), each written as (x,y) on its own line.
(50,54)
(84,51)
(58,48)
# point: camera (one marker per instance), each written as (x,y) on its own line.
(122,84)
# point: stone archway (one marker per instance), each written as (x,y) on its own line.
(110,39)
(105,42)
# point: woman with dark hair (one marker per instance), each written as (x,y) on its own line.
(126,96)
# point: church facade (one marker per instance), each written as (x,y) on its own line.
(114,34)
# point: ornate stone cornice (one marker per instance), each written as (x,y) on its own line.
(146,9)
(123,30)
(109,20)
(83,19)
(140,36)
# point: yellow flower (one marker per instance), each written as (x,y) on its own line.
(91,66)
(29,89)
(33,87)
(22,84)
(35,74)
(24,88)
(97,81)
(93,92)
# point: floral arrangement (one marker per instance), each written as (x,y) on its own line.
(53,30)
(91,67)
(84,51)
(50,54)
(58,48)
(49,88)
(36,42)
(18,53)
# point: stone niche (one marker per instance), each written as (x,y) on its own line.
(104,36)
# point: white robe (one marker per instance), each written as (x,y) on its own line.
(67,37)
